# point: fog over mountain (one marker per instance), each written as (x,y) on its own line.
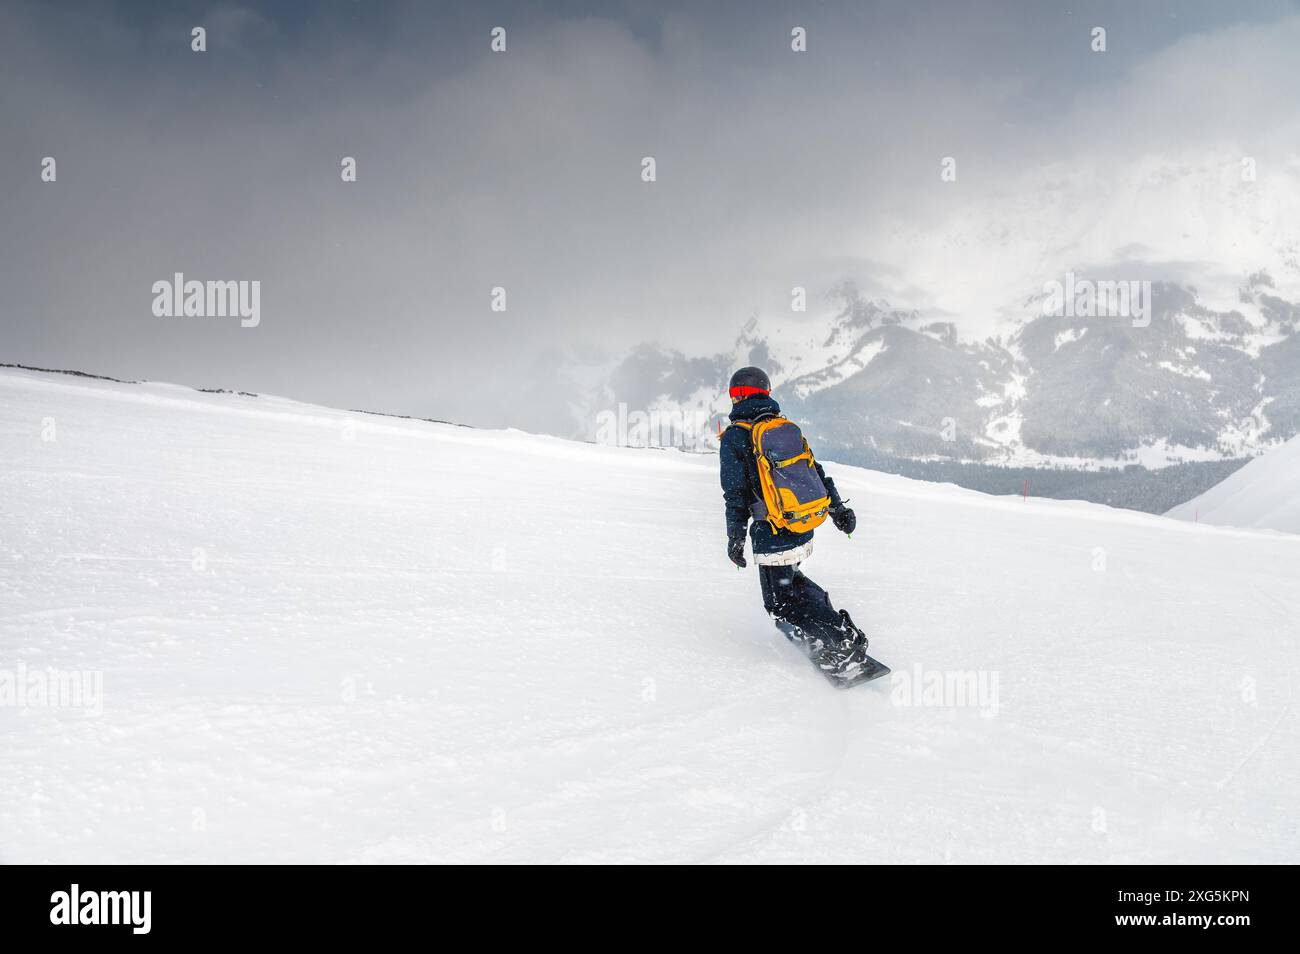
(1154,327)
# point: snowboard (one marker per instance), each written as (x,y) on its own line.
(869,669)
(865,671)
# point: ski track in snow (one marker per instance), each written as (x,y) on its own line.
(333,637)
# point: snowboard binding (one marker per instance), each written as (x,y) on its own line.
(841,655)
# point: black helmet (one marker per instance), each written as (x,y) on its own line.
(747,382)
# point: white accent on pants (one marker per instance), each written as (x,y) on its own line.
(785,557)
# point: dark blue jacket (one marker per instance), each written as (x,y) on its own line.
(740,486)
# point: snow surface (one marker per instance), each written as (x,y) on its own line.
(1264,494)
(334,637)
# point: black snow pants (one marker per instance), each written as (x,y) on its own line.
(792,598)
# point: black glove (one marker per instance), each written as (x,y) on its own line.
(736,551)
(845,520)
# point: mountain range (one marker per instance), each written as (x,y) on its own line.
(1079,392)
(1002,363)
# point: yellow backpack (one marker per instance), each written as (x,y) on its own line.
(794,497)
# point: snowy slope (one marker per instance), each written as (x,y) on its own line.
(332,637)
(1264,494)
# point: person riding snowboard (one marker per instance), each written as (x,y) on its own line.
(769,475)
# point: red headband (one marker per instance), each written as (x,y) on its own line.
(743,391)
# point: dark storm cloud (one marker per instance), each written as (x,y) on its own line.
(518,169)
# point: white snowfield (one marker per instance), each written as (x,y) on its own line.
(334,637)
(1264,494)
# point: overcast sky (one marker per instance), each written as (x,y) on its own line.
(522,169)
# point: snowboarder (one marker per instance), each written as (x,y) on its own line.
(770,476)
